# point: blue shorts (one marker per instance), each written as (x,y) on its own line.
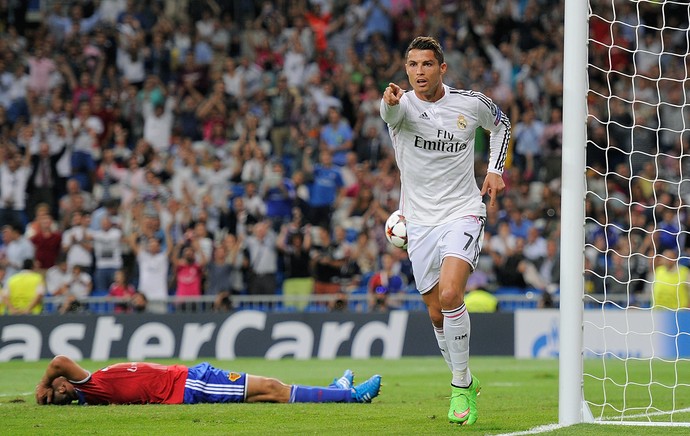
(206,384)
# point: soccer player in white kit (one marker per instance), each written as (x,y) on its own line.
(433,130)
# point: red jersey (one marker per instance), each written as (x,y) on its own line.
(133,383)
(121,291)
(47,247)
(189,278)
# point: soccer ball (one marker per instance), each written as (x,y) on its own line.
(396,230)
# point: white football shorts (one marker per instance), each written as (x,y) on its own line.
(429,245)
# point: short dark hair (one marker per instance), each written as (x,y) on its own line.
(63,400)
(13,226)
(60,399)
(426,43)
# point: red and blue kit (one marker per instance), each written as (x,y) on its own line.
(133,383)
(151,383)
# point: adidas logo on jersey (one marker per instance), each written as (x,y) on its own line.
(424,116)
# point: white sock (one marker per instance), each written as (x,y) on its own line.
(456,328)
(441,339)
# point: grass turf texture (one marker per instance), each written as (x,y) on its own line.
(517,395)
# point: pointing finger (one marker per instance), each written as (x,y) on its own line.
(397,91)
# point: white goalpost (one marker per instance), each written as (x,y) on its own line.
(624,340)
(570,398)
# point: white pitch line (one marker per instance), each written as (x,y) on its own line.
(645,415)
(552,427)
(16,395)
(536,430)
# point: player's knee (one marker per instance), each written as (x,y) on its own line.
(277,390)
(450,298)
(273,385)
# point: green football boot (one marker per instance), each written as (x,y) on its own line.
(463,403)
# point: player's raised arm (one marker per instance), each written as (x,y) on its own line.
(60,366)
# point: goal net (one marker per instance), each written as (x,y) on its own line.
(634,362)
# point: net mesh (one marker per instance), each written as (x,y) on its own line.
(637,207)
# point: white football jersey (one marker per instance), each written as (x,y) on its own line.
(434,149)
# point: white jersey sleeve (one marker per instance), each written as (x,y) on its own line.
(434,150)
(497,123)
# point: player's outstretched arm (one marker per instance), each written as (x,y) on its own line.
(60,366)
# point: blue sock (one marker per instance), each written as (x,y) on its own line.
(312,394)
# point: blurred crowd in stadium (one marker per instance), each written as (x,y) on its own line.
(154,148)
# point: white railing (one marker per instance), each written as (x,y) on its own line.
(321,303)
(277,303)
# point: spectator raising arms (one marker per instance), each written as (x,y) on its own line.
(153,263)
(263,260)
(107,250)
(189,272)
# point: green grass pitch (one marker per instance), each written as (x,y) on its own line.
(517,395)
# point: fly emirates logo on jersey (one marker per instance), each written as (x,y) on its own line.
(445,142)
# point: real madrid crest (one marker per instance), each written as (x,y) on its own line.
(462,122)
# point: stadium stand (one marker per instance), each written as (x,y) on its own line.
(189,123)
